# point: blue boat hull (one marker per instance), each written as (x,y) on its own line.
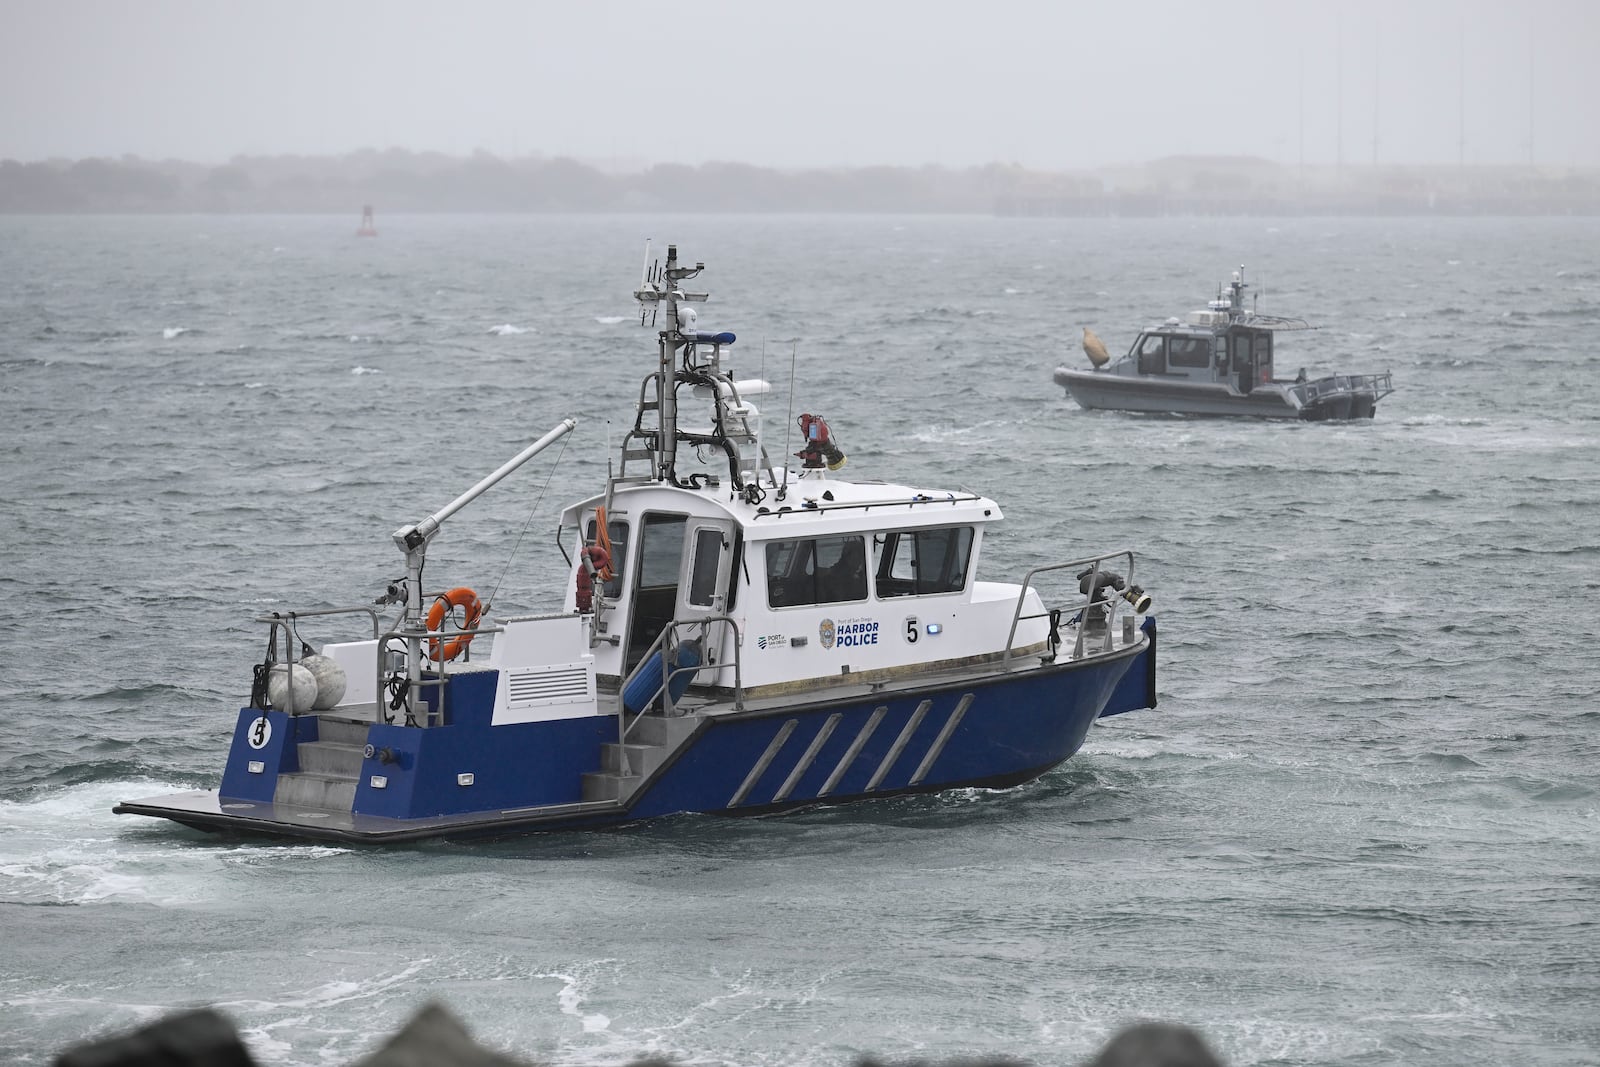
(997,734)
(990,730)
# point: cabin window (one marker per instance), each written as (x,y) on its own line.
(703,576)
(618,532)
(662,554)
(1241,352)
(916,562)
(1263,349)
(816,570)
(1152,355)
(1189,351)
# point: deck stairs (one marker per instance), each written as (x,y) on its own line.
(329,767)
(653,739)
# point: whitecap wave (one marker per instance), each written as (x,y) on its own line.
(365,370)
(505,329)
(174,331)
(608,320)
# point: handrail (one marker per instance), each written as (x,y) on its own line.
(1110,603)
(354,609)
(669,670)
(1381,385)
(442,675)
(703,623)
(285,620)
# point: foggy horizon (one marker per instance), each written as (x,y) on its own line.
(1054,87)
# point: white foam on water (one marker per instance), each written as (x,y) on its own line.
(365,370)
(174,331)
(505,329)
(302,1011)
(1123,748)
(934,435)
(68,848)
(608,320)
(570,998)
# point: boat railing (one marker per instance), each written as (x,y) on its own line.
(387,663)
(283,624)
(1317,389)
(1094,610)
(393,683)
(669,641)
(642,442)
(1380,384)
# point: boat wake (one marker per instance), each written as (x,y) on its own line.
(66,848)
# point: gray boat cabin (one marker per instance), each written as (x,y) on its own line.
(1218,360)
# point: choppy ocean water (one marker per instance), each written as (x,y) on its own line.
(1361,828)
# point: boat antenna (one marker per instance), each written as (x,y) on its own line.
(788,424)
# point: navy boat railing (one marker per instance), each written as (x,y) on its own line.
(1098,596)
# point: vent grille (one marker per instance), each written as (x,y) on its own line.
(560,684)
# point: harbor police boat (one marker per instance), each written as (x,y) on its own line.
(1219,361)
(737,636)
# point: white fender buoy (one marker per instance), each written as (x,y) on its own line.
(291,680)
(330,678)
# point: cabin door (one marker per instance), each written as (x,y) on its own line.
(1244,371)
(708,553)
(684,566)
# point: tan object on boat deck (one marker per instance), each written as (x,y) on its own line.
(1095,348)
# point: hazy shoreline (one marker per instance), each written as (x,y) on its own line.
(400,182)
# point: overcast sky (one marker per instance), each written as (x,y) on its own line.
(1050,85)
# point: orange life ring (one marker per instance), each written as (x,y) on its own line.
(460,597)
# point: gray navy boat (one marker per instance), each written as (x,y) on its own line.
(1219,361)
